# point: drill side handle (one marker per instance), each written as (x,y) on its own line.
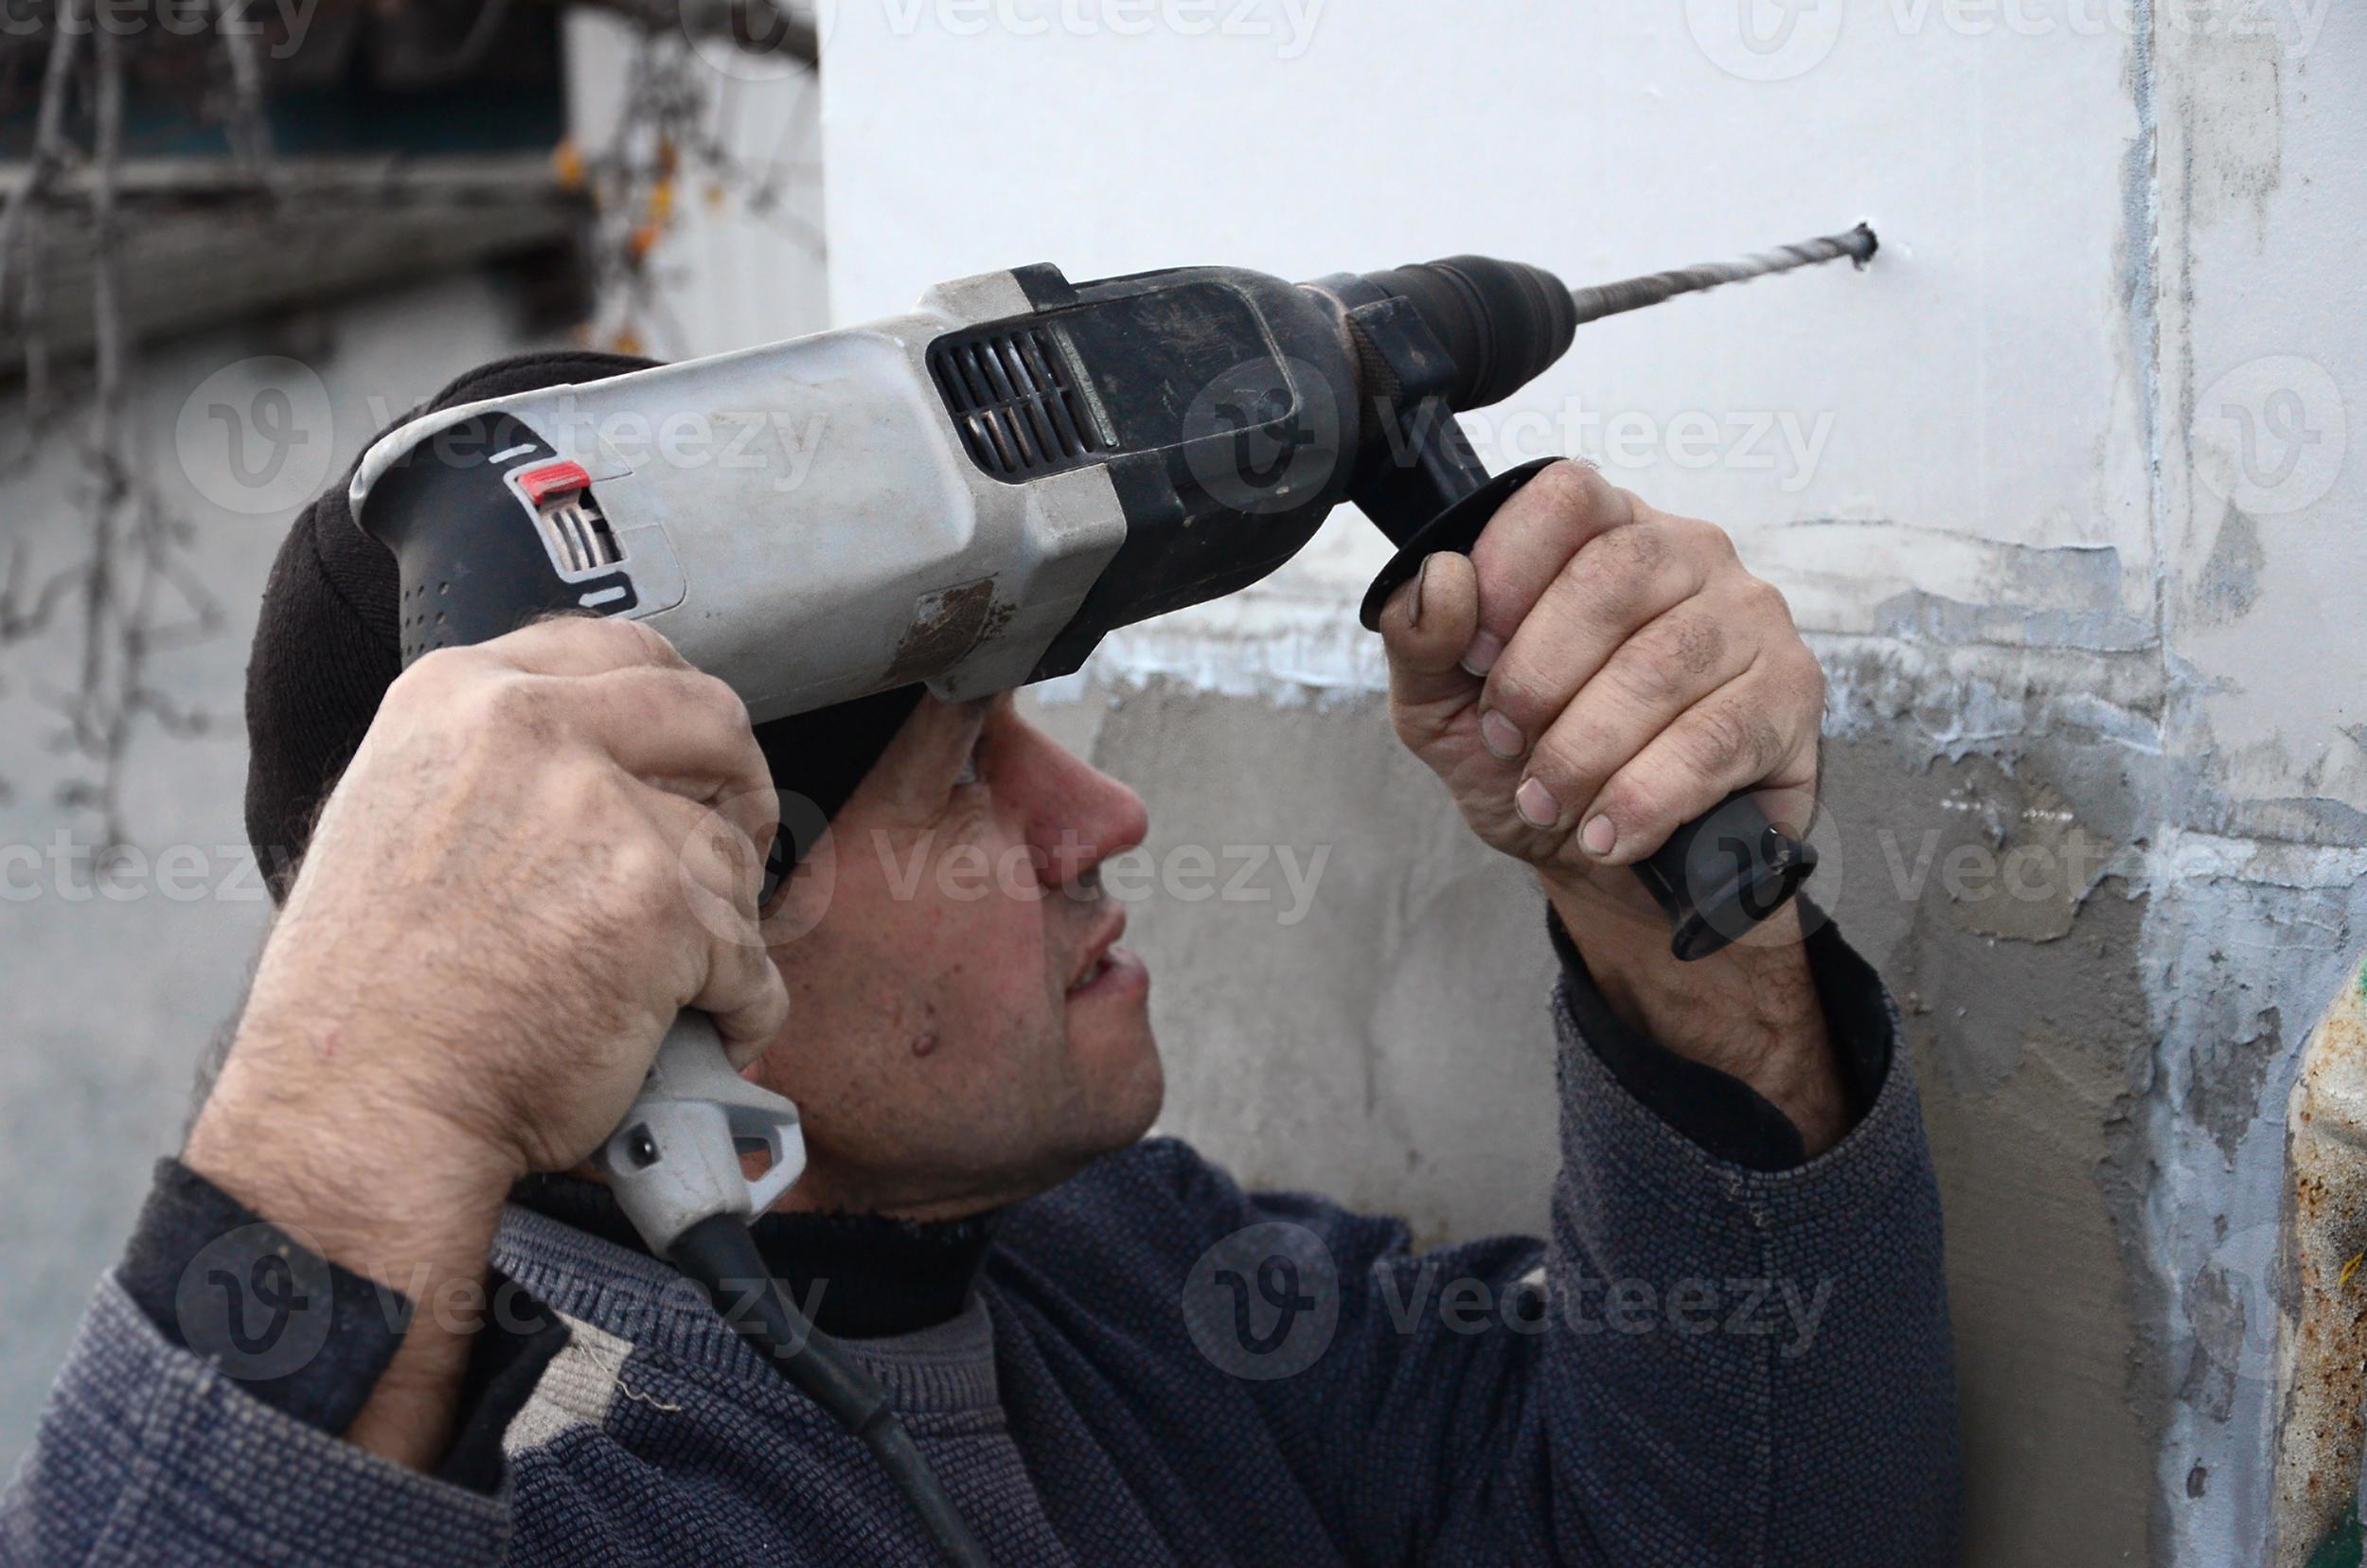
(1719,875)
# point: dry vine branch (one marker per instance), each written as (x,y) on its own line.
(132,594)
(668,137)
(758,25)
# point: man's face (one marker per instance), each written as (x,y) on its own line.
(962,1031)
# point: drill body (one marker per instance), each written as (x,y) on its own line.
(968,495)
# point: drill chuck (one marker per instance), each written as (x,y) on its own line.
(1502,323)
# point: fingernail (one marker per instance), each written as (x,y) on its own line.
(1598,835)
(1421,580)
(1480,657)
(1535,804)
(1500,735)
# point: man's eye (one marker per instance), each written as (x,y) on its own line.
(971,772)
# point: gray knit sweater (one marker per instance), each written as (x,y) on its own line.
(1702,1363)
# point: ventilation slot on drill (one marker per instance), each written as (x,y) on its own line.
(582,534)
(580,537)
(1014,402)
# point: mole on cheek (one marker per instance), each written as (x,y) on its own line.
(924,1042)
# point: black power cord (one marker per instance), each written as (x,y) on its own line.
(718,1253)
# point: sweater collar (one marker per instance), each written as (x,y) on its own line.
(857,1276)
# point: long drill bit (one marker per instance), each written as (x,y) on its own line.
(1632,293)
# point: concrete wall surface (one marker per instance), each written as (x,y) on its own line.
(2061,488)
(120,969)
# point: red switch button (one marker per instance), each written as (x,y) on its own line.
(553,479)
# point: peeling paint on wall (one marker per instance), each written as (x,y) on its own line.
(2233,105)
(2230,583)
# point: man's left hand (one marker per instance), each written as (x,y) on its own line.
(1593,675)
(1597,673)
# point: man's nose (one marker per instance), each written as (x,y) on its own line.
(1080,816)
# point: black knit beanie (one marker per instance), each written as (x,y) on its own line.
(325,651)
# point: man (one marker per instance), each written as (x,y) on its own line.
(1733,1346)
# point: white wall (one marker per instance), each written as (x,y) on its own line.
(2015,513)
(1968,384)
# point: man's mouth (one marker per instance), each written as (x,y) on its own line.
(1102,955)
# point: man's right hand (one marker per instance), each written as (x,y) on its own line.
(491,929)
